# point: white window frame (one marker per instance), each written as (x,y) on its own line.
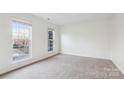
(54,37)
(30,49)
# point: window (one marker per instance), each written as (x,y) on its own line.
(51,38)
(21,36)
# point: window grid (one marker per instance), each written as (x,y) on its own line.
(51,38)
(21,36)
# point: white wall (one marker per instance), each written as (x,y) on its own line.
(39,40)
(117,41)
(89,38)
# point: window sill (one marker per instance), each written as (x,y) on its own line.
(21,60)
(50,51)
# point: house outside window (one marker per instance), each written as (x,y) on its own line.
(21,36)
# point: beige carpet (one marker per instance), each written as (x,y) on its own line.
(67,67)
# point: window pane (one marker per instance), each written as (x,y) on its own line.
(21,34)
(51,37)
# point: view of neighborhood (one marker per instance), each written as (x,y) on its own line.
(21,40)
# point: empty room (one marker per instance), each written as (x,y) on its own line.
(61,46)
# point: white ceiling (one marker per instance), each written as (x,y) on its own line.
(71,18)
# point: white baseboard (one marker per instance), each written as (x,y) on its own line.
(15,66)
(120,67)
(86,56)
